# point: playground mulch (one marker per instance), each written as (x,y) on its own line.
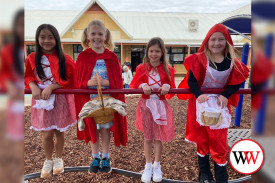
(179,158)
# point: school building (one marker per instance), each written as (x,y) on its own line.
(182,33)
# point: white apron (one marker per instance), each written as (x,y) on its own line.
(46,104)
(156,106)
(214,79)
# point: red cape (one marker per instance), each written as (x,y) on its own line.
(261,71)
(7,71)
(141,76)
(54,65)
(197,64)
(84,67)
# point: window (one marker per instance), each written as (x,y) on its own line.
(117,51)
(30,49)
(176,55)
(194,50)
(77,49)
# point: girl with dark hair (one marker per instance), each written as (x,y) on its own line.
(11,77)
(49,68)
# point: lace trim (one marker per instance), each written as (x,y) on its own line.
(54,127)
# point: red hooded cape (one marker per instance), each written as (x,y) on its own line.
(7,71)
(54,65)
(141,76)
(261,71)
(197,64)
(84,67)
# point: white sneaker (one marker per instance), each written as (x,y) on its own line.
(47,168)
(157,174)
(58,166)
(147,174)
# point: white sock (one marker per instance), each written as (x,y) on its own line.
(148,165)
(156,164)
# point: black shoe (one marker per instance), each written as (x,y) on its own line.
(95,166)
(206,181)
(221,174)
(106,166)
(205,175)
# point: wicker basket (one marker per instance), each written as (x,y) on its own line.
(210,116)
(105,114)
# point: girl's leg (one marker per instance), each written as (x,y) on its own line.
(95,146)
(95,165)
(105,137)
(48,144)
(106,163)
(147,173)
(58,165)
(158,150)
(148,150)
(59,143)
(157,174)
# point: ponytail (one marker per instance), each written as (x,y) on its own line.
(108,42)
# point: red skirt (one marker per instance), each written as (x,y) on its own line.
(61,117)
(146,124)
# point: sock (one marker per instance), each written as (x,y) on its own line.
(105,155)
(96,155)
(148,165)
(156,164)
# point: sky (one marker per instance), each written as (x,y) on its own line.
(193,6)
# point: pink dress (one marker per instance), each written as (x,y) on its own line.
(62,116)
(154,116)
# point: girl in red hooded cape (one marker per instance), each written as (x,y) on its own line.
(154,115)
(49,68)
(105,63)
(214,66)
(12,80)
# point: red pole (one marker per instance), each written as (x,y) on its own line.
(135,91)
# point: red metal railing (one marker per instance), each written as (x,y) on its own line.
(136,91)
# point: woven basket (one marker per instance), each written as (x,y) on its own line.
(105,114)
(210,117)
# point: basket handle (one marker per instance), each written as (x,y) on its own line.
(99,90)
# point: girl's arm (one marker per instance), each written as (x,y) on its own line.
(193,84)
(46,93)
(230,90)
(29,75)
(164,89)
(36,92)
(195,88)
(93,81)
(105,82)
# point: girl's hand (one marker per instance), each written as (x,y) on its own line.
(104,82)
(93,81)
(147,89)
(222,101)
(202,98)
(164,90)
(46,93)
(36,92)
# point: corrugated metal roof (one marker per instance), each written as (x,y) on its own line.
(34,18)
(169,26)
(172,27)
